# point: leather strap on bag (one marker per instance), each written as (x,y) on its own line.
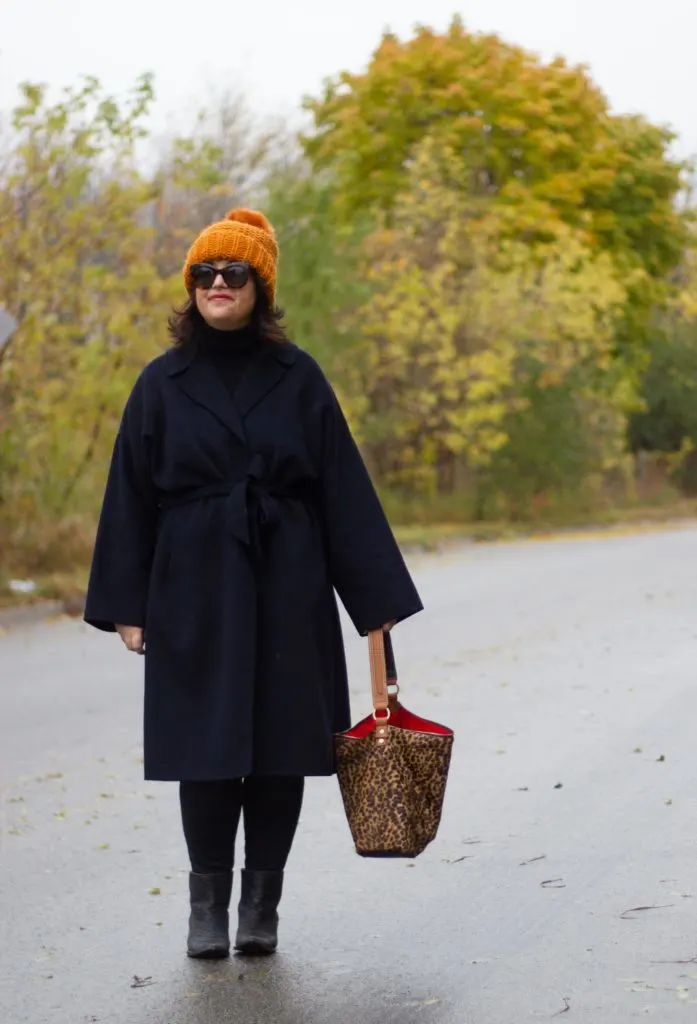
(382,670)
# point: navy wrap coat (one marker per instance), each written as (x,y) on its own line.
(227,526)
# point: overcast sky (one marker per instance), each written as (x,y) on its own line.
(640,51)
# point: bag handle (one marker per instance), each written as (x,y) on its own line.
(383,670)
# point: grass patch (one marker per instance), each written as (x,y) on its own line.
(436,536)
(68,587)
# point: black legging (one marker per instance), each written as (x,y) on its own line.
(211,815)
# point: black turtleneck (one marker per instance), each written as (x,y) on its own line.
(229,351)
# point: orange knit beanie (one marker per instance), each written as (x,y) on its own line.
(243,235)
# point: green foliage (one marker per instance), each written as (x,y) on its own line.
(322,277)
(524,131)
(667,420)
(459,328)
(535,140)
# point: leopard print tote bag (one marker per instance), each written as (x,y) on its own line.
(392,768)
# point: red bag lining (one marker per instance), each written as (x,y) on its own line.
(400,719)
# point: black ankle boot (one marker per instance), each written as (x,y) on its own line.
(209,937)
(257,934)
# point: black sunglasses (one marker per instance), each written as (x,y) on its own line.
(235,275)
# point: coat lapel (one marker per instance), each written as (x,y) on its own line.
(264,372)
(198,379)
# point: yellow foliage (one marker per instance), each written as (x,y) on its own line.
(457,321)
(76,272)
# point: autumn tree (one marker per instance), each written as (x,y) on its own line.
(77,273)
(536,139)
(322,279)
(460,332)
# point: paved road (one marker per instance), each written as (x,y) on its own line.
(568,670)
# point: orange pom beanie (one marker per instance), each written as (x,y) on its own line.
(243,235)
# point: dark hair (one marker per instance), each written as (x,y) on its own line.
(185,322)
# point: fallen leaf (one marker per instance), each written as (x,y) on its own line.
(534,860)
(637,910)
(523,789)
(553,883)
(155,891)
(141,982)
(559,785)
(661,759)
(567,1007)
(638,750)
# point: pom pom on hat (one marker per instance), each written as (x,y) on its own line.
(244,216)
(245,235)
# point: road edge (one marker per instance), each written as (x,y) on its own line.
(31,614)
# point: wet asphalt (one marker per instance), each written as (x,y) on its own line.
(567,669)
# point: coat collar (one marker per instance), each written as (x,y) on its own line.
(199,380)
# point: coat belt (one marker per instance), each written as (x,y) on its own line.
(251,505)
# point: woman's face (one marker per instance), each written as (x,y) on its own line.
(223,307)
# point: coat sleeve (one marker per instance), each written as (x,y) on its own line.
(125,542)
(367,568)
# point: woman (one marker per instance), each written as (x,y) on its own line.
(236,503)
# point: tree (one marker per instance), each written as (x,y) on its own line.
(76,270)
(536,139)
(667,420)
(322,279)
(460,332)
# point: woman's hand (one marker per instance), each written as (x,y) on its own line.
(133,637)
